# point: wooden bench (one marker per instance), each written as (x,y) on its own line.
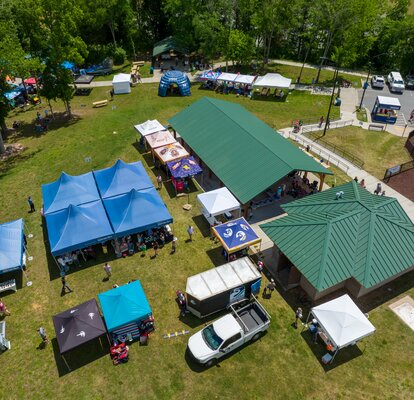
(8,285)
(100,103)
(138,63)
(375,126)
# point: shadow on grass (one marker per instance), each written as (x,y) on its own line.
(12,161)
(216,256)
(202,225)
(196,367)
(80,356)
(20,281)
(319,350)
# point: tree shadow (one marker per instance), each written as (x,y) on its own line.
(80,356)
(202,225)
(216,256)
(319,350)
(12,161)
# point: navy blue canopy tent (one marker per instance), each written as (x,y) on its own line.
(236,235)
(11,246)
(77,227)
(137,211)
(184,168)
(68,190)
(121,178)
(174,78)
(209,76)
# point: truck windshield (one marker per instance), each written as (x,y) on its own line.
(210,337)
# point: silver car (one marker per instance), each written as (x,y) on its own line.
(378,81)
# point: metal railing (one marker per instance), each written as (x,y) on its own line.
(398,169)
(319,151)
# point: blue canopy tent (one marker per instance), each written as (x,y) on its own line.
(184,168)
(137,211)
(174,78)
(122,178)
(209,76)
(124,308)
(11,246)
(68,190)
(236,235)
(68,65)
(77,227)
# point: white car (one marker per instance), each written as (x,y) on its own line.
(228,333)
(396,82)
(378,81)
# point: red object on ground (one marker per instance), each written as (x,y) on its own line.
(30,81)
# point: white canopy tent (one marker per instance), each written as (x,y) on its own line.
(225,76)
(273,81)
(149,127)
(217,202)
(221,279)
(121,84)
(246,79)
(342,322)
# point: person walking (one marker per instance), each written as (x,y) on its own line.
(328,123)
(298,317)
(159,182)
(383,193)
(356,179)
(42,334)
(362,183)
(65,286)
(411,119)
(31,204)
(174,245)
(378,189)
(3,309)
(271,286)
(111,92)
(190,231)
(155,247)
(321,121)
(108,270)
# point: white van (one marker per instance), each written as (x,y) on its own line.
(396,82)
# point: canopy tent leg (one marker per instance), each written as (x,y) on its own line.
(322,180)
(83,255)
(100,341)
(60,269)
(67,365)
(307,320)
(336,352)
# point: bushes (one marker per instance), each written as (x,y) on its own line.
(98,52)
(119,55)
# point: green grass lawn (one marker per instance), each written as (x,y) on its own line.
(125,69)
(283,364)
(378,150)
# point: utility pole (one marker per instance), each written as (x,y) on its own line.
(330,103)
(304,61)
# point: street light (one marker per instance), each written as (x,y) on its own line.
(366,81)
(332,95)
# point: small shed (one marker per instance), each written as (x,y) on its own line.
(385,109)
(121,83)
(171,78)
(215,289)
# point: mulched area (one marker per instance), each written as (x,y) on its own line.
(403,183)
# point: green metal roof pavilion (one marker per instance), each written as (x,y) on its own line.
(166,45)
(361,235)
(247,155)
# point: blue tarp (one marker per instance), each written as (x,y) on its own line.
(209,76)
(236,234)
(121,178)
(174,77)
(68,190)
(184,168)
(136,211)
(124,305)
(11,246)
(67,64)
(77,227)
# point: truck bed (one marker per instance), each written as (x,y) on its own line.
(252,317)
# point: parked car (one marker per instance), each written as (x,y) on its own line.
(228,333)
(378,81)
(409,81)
(396,82)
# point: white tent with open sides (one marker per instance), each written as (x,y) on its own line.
(273,81)
(121,83)
(149,127)
(217,202)
(342,322)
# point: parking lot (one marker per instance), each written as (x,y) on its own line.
(406,98)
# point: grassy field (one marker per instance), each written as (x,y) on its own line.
(284,364)
(378,150)
(126,69)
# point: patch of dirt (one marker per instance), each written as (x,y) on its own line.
(12,150)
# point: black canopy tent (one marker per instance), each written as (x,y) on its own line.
(78,325)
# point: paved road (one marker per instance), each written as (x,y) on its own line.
(406,99)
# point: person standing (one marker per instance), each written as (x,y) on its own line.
(328,123)
(111,92)
(108,270)
(65,285)
(42,334)
(3,308)
(271,286)
(174,245)
(298,317)
(362,183)
(321,119)
(31,204)
(383,193)
(159,182)
(356,179)
(378,189)
(411,117)
(190,231)
(155,247)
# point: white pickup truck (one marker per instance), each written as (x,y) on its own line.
(228,333)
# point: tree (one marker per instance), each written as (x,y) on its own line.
(240,47)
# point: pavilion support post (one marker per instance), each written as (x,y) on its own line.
(175,134)
(322,180)
(67,365)
(305,175)
(210,173)
(245,210)
(221,184)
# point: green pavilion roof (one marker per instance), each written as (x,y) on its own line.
(247,155)
(166,45)
(360,235)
